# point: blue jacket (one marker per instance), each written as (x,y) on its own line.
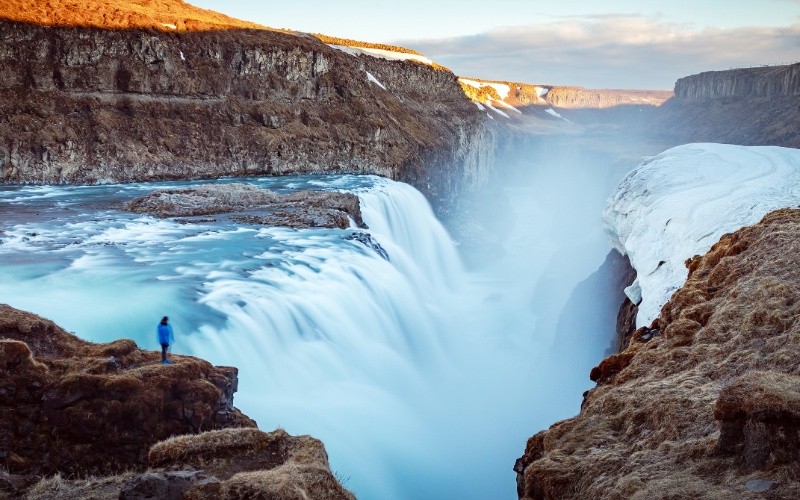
(165,335)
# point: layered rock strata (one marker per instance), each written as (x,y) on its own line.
(749,106)
(89,105)
(703,402)
(300,209)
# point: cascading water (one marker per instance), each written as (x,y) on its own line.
(422,380)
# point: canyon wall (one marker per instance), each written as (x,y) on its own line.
(750,106)
(745,82)
(703,403)
(88,105)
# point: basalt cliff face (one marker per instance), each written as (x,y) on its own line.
(138,428)
(763,103)
(83,104)
(704,402)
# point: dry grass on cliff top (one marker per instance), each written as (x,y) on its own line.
(118,14)
(161,15)
(729,340)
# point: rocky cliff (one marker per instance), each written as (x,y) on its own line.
(75,407)
(84,104)
(703,403)
(743,83)
(750,106)
(138,428)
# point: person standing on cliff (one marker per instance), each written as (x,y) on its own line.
(165,338)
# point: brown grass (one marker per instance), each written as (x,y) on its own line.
(118,14)
(59,488)
(229,451)
(289,482)
(727,349)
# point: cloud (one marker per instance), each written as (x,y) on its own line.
(609,51)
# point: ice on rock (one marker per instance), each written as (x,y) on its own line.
(678,204)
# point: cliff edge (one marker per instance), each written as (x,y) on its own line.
(72,406)
(136,96)
(748,106)
(705,402)
(122,425)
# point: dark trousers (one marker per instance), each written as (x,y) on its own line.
(164,348)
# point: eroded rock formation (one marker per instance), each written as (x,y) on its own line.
(300,209)
(90,411)
(75,407)
(225,464)
(703,403)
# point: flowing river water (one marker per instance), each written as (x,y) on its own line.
(423,379)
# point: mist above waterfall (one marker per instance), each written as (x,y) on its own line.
(423,379)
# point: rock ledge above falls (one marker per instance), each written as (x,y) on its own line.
(300,209)
(134,428)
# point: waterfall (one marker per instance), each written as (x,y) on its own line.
(422,379)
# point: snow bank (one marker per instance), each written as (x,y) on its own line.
(382,54)
(679,203)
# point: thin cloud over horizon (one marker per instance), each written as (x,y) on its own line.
(610,51)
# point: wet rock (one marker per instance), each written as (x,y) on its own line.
(368,241)
(300,209)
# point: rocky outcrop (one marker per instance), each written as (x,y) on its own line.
(749,106)
(703,403)
(299,209)
(75,407)
(225,464)
(760,82)
(89,411)
(89,105)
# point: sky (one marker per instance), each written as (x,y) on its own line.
(598,44)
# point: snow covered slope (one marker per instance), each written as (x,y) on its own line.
(678,204)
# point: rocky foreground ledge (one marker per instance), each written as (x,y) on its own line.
(134,428)
(253,205)
(705,401)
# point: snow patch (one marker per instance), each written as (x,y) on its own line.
(389,55)
(489,104)
(501,88)
(480,106)
(374,80)
(678,204)
(505,105)
(553,112)
(541,92)
(183,58)
(170,26)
